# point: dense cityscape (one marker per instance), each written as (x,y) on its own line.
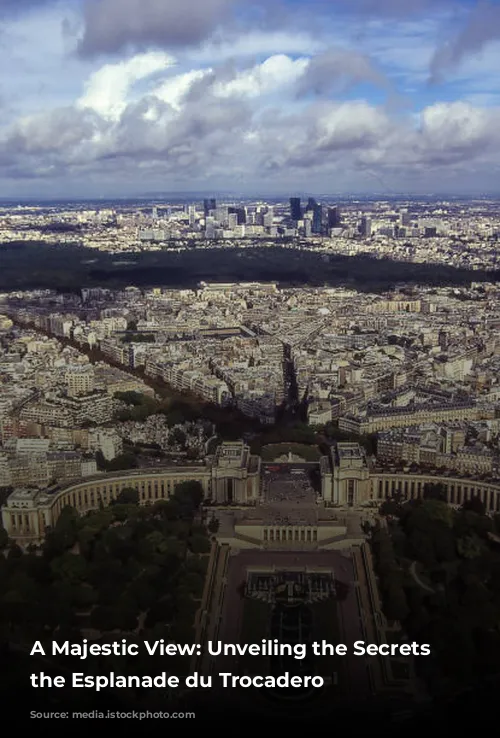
(328,421)
(454,232)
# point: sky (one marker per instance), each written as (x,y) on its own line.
(117,98)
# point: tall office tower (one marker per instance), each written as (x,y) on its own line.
(334,220)
(295,208)
(209,205)
(192,215)
(268,218)
(317,220)
(366,227)
(241,214)
(221,214)
(155,213)
(210,228)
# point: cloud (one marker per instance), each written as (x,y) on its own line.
(335,70)
(174,90)
(107,89)
(481,28)
(150,118)
(322,137)
(112,26)
(255,44)
(454,132)
(275,73)
(58,132)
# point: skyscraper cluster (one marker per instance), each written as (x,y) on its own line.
(208,205)
(317,220)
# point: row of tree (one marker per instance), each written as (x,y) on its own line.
(136,571)
(439,573)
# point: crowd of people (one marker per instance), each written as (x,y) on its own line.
(288,488)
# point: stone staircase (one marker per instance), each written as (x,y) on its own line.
(344,541)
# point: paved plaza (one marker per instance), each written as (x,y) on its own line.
(340,566)
(288,499)
(255,581)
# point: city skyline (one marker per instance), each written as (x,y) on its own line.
(338,97)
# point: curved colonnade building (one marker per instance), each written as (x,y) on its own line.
(233,476)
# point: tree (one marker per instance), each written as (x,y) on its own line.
(100,461)
(470,547)
(475,504)
(396,605)
(391,507)
(130,398)
(177,437)
(194,584)
(434,492)
(162,611)
(188,496)
(138,338)
(213,525)
(4,538)
(160,544)
(103,618)
(366,527)
(127,496)
(199,544)
(65,532)
(69,568)
(467,522)
(83,596)
(196,564)
(444,544)
(121,462)
(437,510)
(422,547)
(121,511)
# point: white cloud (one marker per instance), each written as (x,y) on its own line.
(258,44)
(106,92)
(458,125)
(272,75)
(240,105)
(351,124)
(173,90)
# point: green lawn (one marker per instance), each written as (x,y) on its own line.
(274,450)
